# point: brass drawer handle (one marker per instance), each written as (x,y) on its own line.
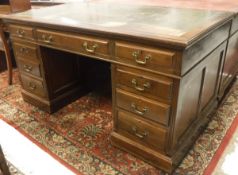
(47,39)
(20,33)
(31,86)
(137,87)
(136,55)
(90,50)
(138,134)
(24,50)
(136,109)
(27,68)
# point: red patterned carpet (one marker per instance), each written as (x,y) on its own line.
(78,135)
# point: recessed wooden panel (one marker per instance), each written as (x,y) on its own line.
(191,92)
(230,68)
(213,66)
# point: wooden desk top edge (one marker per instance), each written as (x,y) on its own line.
(182,41)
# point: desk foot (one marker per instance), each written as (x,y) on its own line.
(151,156)
(54,105)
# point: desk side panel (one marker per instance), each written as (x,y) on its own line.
(197,98)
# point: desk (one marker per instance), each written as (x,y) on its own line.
(230,67)
(166,67)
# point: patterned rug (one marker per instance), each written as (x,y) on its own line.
(78,134)
(224,162)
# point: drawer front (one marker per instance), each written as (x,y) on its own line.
(82,44)
(153,59)
(21,32)
(32,68)
(148,134)
(143,107)
(25,51)
(34,86)
(144,85)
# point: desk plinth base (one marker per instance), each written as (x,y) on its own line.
(55,104)
(149,155)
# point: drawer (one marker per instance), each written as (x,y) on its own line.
(149,58)
(32,85)
(29,67)
(25,51)
(82,44)
(143,107)
(148,134)
(155,87)
(21,32)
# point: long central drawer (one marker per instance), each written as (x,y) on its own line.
(82,44)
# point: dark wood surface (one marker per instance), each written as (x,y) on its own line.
(151,22)
(230,66)
(165,69)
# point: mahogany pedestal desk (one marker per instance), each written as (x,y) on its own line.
(230,66)
(166,67)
